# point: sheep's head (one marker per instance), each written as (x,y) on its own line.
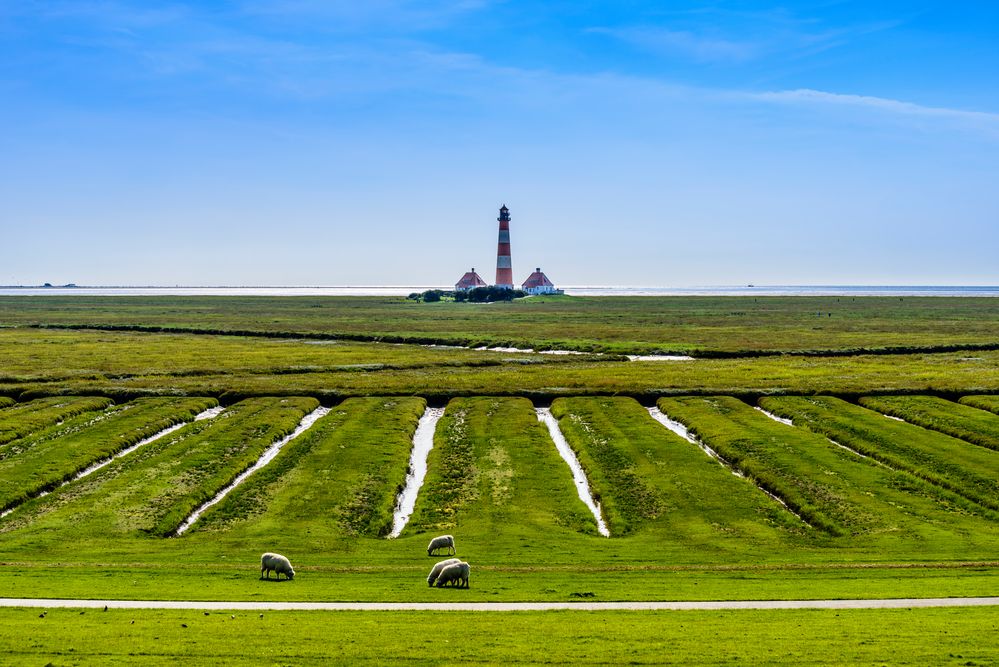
(291,573)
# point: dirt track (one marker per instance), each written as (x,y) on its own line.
(901,603)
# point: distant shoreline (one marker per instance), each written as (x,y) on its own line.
(578,290)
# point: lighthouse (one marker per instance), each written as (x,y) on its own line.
(504,268)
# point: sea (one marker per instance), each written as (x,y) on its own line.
(575,290)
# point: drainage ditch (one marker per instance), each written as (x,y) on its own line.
(264,459)
(546,417)
(423,442)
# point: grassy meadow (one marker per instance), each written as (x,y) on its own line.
(989,403)
(25,418)
(33,465)
(835,490)
(955,419)
(901,637)
(638,325)
(123,365)
(962,468)
(910,512)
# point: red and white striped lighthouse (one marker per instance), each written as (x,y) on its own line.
(504,268)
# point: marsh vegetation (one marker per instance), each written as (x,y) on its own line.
(843,503)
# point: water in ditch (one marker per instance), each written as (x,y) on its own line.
(264,459)
(546,417)
(685,433)
(210,413)
(423,442)
(776,418)
(207,414)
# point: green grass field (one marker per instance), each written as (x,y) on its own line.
(832,489)
(35,464)
(955,419)
(648,478)
(898,637)
(335,483)
(606,324)
(962,468)
(124,365)
(25,418)
(151,491)
(990,403)
(914,517)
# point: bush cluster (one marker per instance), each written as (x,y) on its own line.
(476,295)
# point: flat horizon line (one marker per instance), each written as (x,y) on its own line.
(758,286)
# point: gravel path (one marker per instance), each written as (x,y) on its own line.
(900,603)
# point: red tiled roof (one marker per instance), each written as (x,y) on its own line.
(469,280)
(537,279)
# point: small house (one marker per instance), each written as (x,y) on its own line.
(538,283)
(469,281)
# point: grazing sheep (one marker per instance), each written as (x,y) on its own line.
(455,574)
(434,573)
(278,563)
(438,543)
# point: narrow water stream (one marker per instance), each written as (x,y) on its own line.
(659,357)
(207,414)
(776,418)
(856,453)
(423,442)
(210,413)
(265,458)
(546,417)
(685,433)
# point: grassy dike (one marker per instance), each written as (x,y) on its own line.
(960,421)
(336,482)
(833,489)
(898,637)
(495,478)
(495,482)
(33,465)
(964,469)
(150,492)
(648,478)
(990,403)
(24,419)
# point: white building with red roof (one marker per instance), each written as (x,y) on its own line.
(469,281)
(538,283)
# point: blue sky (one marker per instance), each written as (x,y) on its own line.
(302,142)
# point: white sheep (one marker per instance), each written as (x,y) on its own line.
(441,542)
(275,562)
(456,574)
(434,573)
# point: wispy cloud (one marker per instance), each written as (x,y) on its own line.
(334,15)
(699,47)
(984,120)
(719,36)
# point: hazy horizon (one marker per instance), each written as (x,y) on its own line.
(266,143)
